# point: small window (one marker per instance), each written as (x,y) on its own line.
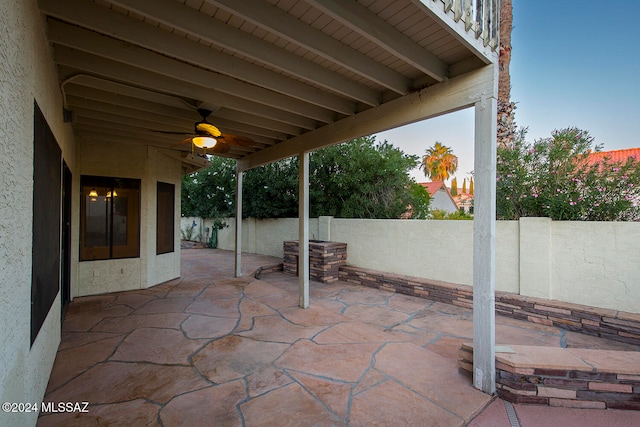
(165,223)
(110,218)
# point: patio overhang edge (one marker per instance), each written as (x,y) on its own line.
(452,95)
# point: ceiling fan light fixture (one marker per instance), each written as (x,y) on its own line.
(204,141)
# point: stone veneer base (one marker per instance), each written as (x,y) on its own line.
(325,259)
(574,378)
(611,324)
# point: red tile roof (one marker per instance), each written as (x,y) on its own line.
(615,155)
(433,187)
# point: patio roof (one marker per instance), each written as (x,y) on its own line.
(291,75)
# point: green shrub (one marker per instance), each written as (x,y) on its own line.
(460,214)
(555,177)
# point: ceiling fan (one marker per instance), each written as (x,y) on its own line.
(208,137)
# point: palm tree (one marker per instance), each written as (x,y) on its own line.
(506,129)
(439,162)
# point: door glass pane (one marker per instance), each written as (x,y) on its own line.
(97,217)
(109,218)
(126,222)
(120,210)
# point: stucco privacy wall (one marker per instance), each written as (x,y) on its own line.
(27,73)
(601,258)
(124,160)
(258,236)
(439,250)
(589,263)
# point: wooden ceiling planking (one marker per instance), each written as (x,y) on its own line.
(253,73)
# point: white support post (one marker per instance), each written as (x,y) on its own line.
(303,230)
(484,246)
(238,258)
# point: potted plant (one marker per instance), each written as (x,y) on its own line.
(218,224)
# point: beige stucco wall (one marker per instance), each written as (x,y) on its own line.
(258,236)
(125,160)
(439,250)
(590,263)
(26,73)
(597,262)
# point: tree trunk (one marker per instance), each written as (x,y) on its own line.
(506,23)
(506,108)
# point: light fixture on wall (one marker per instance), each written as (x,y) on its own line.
(93,195)
(108,196)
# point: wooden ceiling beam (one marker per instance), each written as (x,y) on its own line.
(109,102)
(376,29)
(138,33)
(104,90)
(121,52)
(279,22)
(81,62)
(190,21)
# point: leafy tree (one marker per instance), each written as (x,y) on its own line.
(210,192)
(356,179)
(419,201)
(362,179)
(454,187)
(271,191)
(464,186)
(471,186)
(439,162)
(555,177)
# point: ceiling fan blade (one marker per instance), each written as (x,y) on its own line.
(209,129)
(239,141)
(184,141)
(219,148)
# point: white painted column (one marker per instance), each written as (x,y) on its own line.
(238,258)
(484,246)
(303,230)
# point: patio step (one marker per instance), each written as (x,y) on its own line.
(565,377)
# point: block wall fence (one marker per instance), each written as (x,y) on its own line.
(588,263)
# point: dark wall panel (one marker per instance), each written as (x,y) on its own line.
(165,224)
(45,277)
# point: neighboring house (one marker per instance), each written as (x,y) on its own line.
(614,156)
(464,201)
(440,196)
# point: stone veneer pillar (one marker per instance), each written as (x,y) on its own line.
(325,259)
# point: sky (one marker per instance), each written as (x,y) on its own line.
(573,63)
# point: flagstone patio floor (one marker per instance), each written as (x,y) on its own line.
(209,349)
